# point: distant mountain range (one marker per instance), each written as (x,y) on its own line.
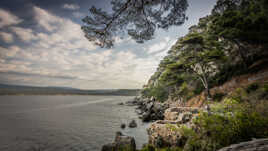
(6,89)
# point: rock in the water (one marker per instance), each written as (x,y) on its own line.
(255,145)
(146,117)
(123,126)
(121,143)
(121,103)
(132,124)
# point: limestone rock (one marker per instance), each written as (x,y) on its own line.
(162,134)
(254,145)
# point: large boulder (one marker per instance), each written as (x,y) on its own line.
(121,143)
(168,132)
(165,134)
(152,111)
(254,145)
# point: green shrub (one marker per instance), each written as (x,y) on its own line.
(239,95)
(159,92)
(218,97)
(148,148)
(265,88)
(252,87)
(151,148)
(229,123)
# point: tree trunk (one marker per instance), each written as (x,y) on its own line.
(208,93)
(206,85)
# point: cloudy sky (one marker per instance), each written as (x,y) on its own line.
(41,44)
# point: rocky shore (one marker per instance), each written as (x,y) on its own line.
(167,119)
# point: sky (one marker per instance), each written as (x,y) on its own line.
(41,44)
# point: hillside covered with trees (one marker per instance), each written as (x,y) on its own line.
(220,67)
(223,45)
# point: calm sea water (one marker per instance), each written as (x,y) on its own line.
(64,123)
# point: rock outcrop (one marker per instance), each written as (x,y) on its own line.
(149,109)
(120,143)
(168,132)
(254,145)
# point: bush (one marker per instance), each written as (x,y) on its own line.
(151,148)
(159,92)
(229,123)
(218,97)
(252,87)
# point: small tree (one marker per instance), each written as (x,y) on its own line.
(201,58)
(138,18)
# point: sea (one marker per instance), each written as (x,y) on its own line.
(65,123)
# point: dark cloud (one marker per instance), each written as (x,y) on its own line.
(23,8)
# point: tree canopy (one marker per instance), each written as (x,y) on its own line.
(138,19)
(241,20)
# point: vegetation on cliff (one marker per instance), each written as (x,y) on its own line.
(240,116)
(224,44)
(230,42)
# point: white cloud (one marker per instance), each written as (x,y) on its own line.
(7,19)
(71,6)
(66,53)
(67,34)
(159,46)
(24,34)
(45,19)
(8,52)
(6,37)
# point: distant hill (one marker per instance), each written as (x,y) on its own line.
(34,90)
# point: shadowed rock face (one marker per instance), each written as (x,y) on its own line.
(255,145)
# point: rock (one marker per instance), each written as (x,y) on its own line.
(158,107)
(149,106)
(184,117)
(174,113)
(108,147)
(120,143)
(123,126)
(121,103)
(138,111)
(152,99)
(167,132)
(254,145)
(163,134)
(146,117)
(132,124)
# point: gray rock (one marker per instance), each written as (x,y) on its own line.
(123,126)
(121,103)
(132,124)
(146,117)
(254,145)
(149,106)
